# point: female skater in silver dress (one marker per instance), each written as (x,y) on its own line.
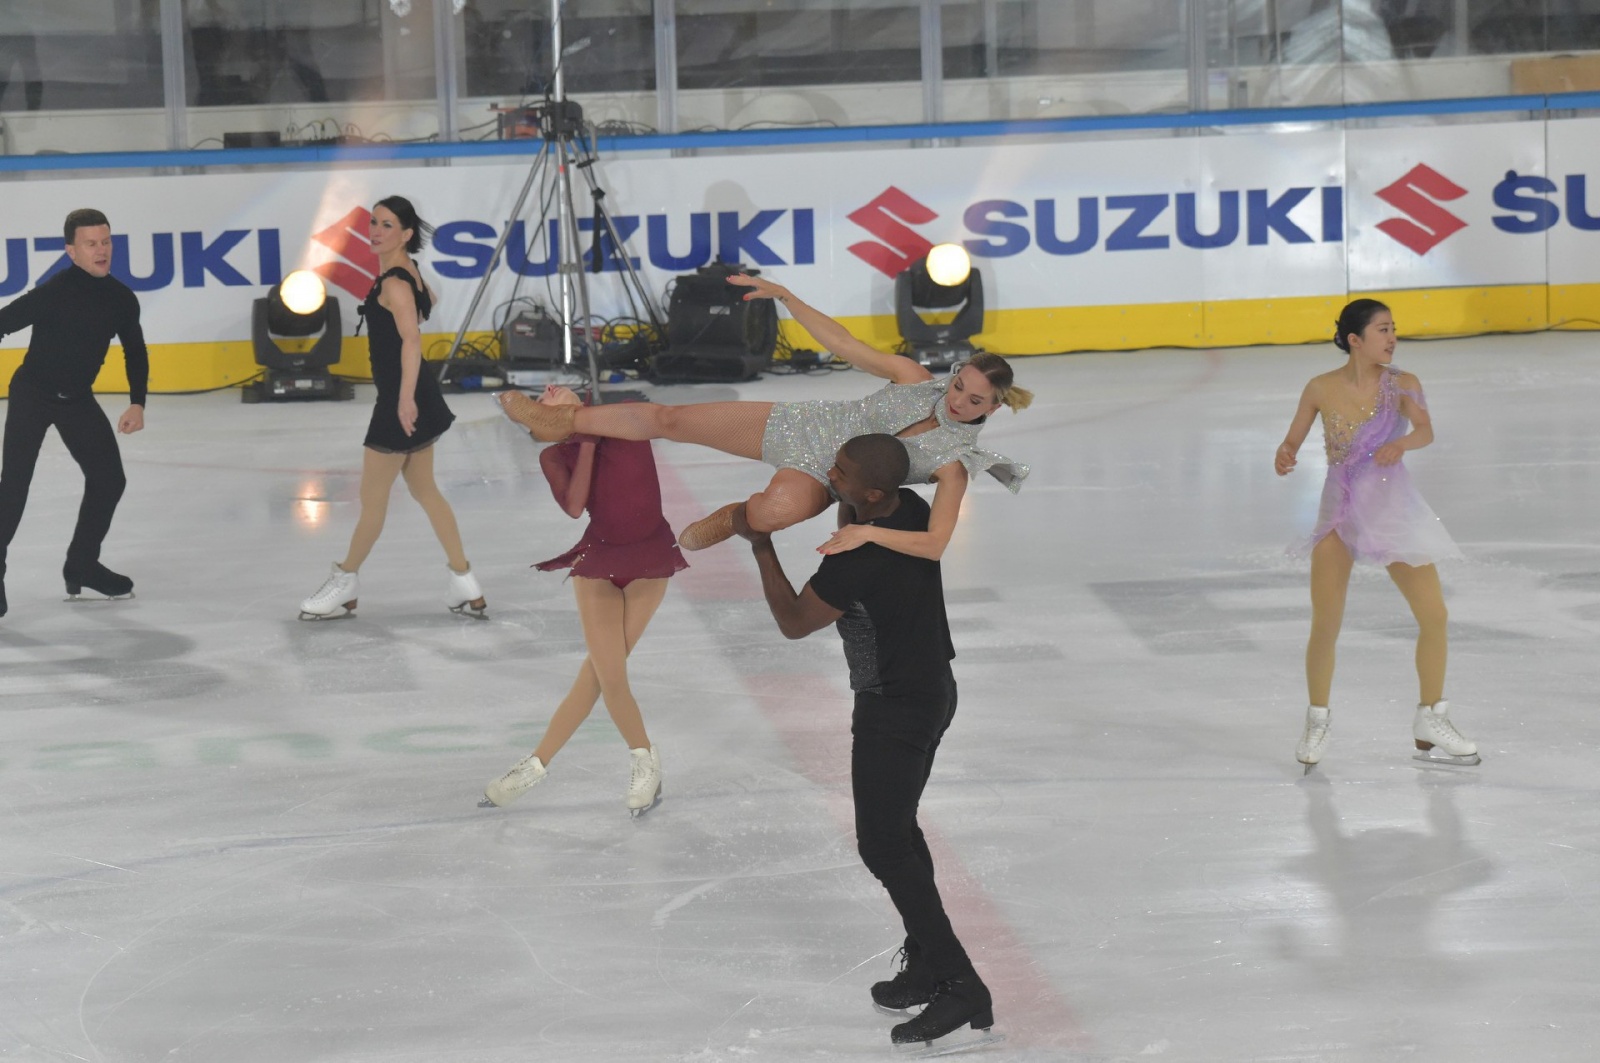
(937,419)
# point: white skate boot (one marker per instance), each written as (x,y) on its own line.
(1438,738)
(339,592)
(1314,742)
(524,775)
(644,781)
(464,596)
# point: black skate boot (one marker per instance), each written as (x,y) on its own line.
(2,588)
(956,1002)
(97,578)
(910,988)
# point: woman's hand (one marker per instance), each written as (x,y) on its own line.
(408,414)
(1284,460)
(848,538)
(759,289)
(1389,454)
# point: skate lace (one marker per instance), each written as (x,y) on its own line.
(329,587)
(639,772)
(1443,729)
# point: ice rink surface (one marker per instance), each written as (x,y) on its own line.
(233,837)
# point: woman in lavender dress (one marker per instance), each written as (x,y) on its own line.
(1372,413)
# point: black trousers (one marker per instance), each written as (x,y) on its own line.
(91,441)
(892,753)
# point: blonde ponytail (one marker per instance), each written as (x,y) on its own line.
(1017,398)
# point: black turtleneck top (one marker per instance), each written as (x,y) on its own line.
(74,317)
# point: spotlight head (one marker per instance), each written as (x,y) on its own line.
(302,292)
(948,264)
(297,305)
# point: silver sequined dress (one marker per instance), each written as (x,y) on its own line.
(807,435)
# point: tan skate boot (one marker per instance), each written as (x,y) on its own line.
(546,423)
(709,531)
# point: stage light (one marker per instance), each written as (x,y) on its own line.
(304,293)
(940,281)
(296,308)
(948,264)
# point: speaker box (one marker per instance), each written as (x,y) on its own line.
(713,335)
(532,339)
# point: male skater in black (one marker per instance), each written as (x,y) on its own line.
(74,316)
(889,608)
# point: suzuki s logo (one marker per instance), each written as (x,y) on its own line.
(1418,195)
(888,217)
(350,239)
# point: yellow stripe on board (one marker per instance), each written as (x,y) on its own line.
(179,367)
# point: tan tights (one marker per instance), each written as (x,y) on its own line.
(790,498)
(1330,579)
(731,427)
(378,473)
(613,622)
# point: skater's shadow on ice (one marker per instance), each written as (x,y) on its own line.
(1386,886)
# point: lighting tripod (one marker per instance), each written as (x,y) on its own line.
(565,149)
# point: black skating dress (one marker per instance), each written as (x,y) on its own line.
(384,433)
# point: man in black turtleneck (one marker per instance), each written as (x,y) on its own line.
(75,314)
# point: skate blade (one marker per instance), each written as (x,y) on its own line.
(1444,760)
(1308,768)
(487,803)
(899,1013)
(960,1041)
(97,597)
(478,610)
(346,615)
(637,812)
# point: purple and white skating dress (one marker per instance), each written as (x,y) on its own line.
(1375,509)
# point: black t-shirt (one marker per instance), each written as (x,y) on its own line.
(74,316)
(896,636)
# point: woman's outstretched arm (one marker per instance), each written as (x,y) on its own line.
(834,336)
(950,488)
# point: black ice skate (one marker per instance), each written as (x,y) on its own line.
(97,578)
(937,1031)
(910,988)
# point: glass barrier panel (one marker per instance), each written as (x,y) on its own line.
(608,65)
(751,64)
(81,75)
(1010,59)
(261,72)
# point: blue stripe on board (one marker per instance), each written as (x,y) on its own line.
(757,138)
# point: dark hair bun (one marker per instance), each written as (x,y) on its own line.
(1354,319)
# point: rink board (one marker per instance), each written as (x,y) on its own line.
(1248,238)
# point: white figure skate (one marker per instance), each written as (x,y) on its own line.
(524,775)
(464,596)
(1439,740)
(1314,741)
(338,592)
(644,781)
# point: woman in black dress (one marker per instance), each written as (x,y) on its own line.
(409,416)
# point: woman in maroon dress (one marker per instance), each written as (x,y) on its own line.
(619,574)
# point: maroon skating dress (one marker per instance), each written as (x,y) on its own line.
(627,537)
